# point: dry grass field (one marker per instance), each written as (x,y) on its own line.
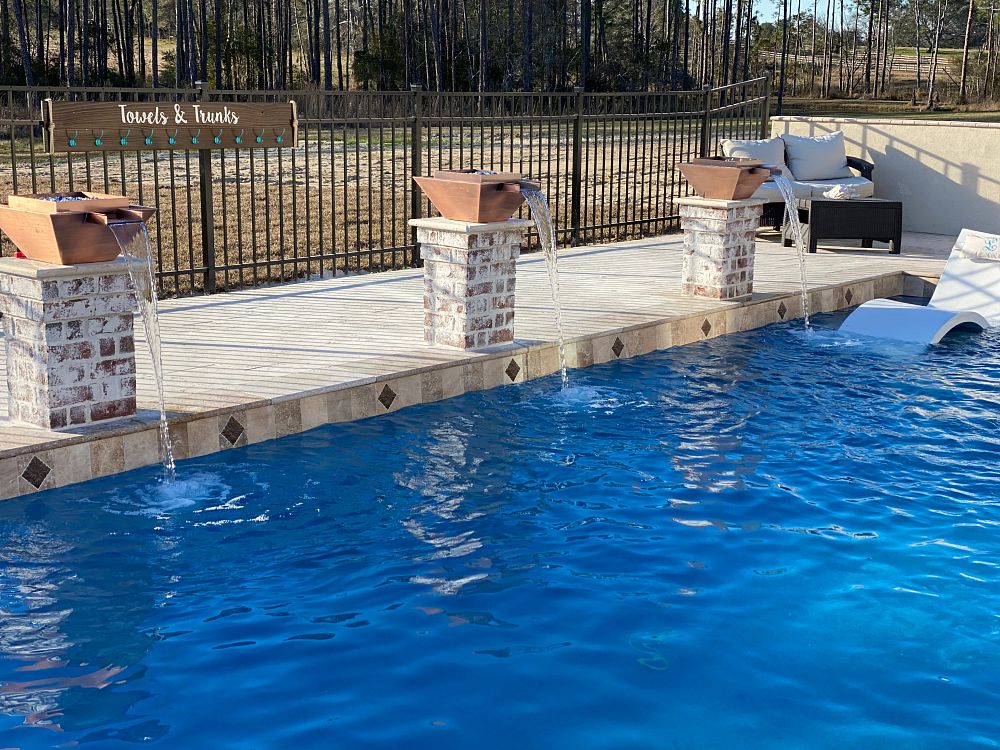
(339,201)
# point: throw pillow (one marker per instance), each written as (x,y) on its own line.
(817,157)
(768,150)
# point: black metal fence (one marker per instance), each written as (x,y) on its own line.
(339,202)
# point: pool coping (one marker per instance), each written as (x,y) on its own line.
(105,450)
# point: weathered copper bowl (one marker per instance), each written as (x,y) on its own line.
(69,228)
(474,195)
(724,178)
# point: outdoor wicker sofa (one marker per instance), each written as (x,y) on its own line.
(814,165)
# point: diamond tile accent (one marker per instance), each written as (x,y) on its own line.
(233,430)
(387,396)
(849,295)
(36,472)
(512,370)
(706,327)
(782,310)
(617,347)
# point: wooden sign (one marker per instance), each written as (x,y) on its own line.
(178,126)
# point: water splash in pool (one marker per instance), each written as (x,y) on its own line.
(792,212)
(539,208)
(138,254)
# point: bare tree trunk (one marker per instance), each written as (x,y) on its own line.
(983,92)
(965,53)
(726,29)
(737,40)
(154,33)
(932,77)
(340,53)
(70,40)
(868,55)
(85,44)
(812,52)
(784,55)
(827,50)
(484,12)
(218,43)
(22,35)
(327,36)
(687,40)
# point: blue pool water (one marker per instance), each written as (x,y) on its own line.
(769,540)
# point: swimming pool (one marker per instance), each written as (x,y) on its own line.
(766,540)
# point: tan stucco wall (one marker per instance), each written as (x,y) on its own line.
(947,174)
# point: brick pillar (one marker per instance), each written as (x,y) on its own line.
(719,247)
(70,351)
(469,279)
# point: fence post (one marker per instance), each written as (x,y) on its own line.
(706,120)
(207,205)
(416,163)
(577,189)
(765,130)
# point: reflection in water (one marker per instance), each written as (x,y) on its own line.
(452,498)
(714,402)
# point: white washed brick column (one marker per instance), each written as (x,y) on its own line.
(469,280)
(718,247)
(70,350)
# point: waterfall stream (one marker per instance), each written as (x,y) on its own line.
(792,213)
(133,238)
(539,207)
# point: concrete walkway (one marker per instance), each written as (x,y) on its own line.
(285,358)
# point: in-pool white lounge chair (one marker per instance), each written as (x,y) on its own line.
(968,294)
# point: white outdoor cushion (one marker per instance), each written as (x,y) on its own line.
(865,188)
(977,245)
(817,157)
(769,192)
(768,150)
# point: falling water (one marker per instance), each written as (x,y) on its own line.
(133,238)
(792,212)
(539,208)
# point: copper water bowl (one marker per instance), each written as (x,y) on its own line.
(71,228)
(725,178)
(476,196)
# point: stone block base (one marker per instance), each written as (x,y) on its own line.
(469,281)
(719,247)
(69,341)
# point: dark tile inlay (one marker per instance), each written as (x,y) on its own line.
(849,295)
(706,327)
(513,368)
(35,472)
(387,396)
(782,310)
(233,430)
(617,347)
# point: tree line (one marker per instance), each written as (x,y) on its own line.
(810,47)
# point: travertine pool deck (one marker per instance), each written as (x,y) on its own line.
(252,365)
